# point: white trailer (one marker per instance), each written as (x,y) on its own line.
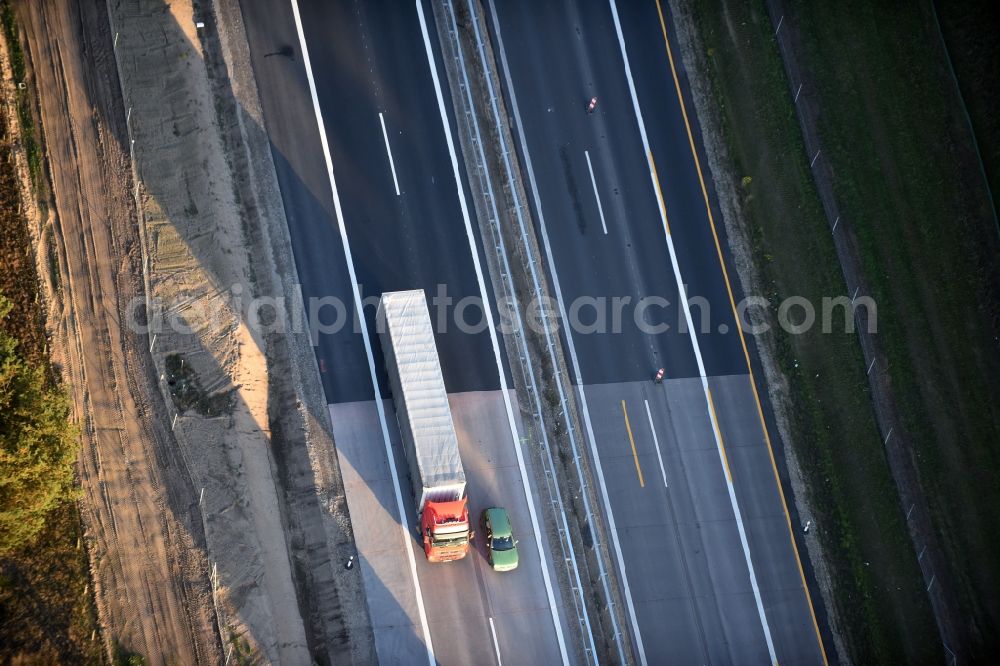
(421,401)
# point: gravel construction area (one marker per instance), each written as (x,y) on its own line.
(212,499)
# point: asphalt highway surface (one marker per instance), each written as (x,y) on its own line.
(703,547)
(372,196)
(370,70)
(702,536)
(577,41)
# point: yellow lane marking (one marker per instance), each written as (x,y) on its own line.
(635,456)
(746,353)
(659,194)
(718,434)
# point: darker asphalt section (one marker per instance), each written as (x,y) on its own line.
(578,43)
(367,58)
(631,260)
(685,202)
(691,586)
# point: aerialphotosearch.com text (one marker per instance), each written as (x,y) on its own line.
(584,315)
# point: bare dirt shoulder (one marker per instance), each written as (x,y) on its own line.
(152,596)
(331,597)
(213,504)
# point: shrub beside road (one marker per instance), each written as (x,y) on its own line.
(46,600)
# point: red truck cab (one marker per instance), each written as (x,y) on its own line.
(445,529)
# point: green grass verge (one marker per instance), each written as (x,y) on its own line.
(908,179)
(884,613)
(970,30)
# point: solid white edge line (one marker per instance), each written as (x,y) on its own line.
(580,592)
(597,195)
(364,333)
(388,150)
(566,548)
(488,311)
(520,131)
(694,340)
(656,444)
(496,643)
(605,499)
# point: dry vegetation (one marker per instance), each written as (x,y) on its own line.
(46,601)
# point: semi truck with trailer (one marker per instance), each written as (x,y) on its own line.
(425,424)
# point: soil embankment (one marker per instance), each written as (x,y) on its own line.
(212,501)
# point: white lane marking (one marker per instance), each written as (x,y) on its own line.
(694,339)
(364,334)
(593,181)
(656,444)
(388,150)
(605,500)
(488,312)
(496,644)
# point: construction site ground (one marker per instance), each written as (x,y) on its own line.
(212,507)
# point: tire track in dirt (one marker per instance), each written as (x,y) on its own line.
(273,526)
(150,576)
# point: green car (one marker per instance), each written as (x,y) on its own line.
(501,547)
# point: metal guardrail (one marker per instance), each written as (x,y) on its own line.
(474,136)
(530,266)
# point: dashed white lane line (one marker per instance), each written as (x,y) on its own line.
(488,313)
(656,444)
(560,302)
(388,150)
(694,339)
(407,541)
(519,210)
(597,195)
(496,643)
